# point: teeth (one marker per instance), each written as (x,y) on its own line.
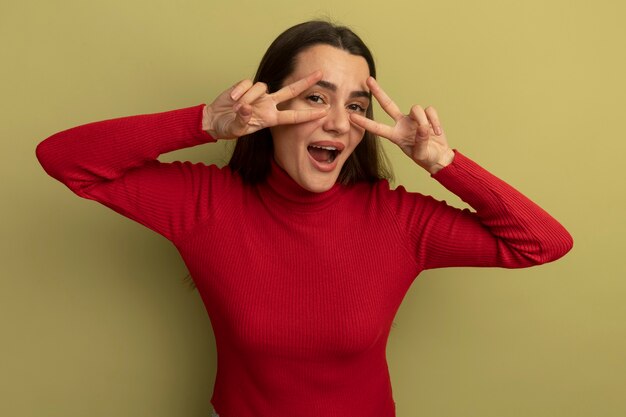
(328,148)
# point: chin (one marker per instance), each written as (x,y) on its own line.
(308,175)
(319,186)
(320,183)
(320,189)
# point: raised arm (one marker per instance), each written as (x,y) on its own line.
(100,152)
(115,161)
(104,151)
(506,229)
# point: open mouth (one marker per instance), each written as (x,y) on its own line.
(323,154)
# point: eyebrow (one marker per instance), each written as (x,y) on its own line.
(332,87)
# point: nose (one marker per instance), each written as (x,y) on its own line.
(337,121)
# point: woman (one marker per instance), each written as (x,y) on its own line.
(300,251)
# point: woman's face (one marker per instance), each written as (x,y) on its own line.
(313,153)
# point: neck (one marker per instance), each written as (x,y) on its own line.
(282,189)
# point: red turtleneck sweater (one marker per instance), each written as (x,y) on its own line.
(301,288)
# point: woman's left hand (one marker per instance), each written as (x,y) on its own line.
(419,134)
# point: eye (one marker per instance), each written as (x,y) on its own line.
(315,98)
(357,108)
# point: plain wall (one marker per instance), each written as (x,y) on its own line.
(95,316)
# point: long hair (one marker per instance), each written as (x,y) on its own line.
(252,155)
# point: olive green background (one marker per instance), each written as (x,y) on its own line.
(96,318)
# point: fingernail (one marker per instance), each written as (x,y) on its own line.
(237,106)
(235,94)
(438,130)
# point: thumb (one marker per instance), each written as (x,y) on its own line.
(242,118)
(420,143)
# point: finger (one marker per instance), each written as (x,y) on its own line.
(240,88)
(299,116)
(245,111)
(294,89)
(417,114)
(370,125)
(253,93)
(434,120)
(243,116)
(385,101)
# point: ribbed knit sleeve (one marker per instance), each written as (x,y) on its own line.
(505,229)
(115,163)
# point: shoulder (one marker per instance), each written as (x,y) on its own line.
(382,196)
(198,171)
(384,191)
(188,181)
(409,209)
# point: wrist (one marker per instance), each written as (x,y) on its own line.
(445,160)
(207,121)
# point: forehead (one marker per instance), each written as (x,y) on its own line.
(337,65)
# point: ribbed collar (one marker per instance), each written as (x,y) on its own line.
(282,189)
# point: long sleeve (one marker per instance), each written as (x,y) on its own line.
(115,163)
(506,229)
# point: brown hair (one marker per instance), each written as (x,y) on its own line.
(252,155)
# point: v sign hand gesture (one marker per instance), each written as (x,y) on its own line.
(246,107)
(418,134)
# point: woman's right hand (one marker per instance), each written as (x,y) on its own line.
(245,108)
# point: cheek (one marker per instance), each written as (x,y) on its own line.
(357,134)
(289,138)
(300,133)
